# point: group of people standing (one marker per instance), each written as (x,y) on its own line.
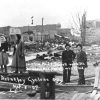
(68,57)
(18,60)
(19,65)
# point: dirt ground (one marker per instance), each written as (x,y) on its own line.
(58,95)
(93,56)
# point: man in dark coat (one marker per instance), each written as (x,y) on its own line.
(67,59)
(82,64)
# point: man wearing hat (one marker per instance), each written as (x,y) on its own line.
(67,59)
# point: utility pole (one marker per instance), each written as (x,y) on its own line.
(32,19)
(42,28)
(83,28)
(42,24)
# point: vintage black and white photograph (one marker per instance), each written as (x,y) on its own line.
(50,49)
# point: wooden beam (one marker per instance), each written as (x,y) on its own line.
(75,87)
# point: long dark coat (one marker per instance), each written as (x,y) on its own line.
(19,58)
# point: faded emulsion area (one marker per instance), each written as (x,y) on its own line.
(50,49)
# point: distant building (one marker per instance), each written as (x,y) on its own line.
(38,28)
(38,32)
(93,31)
(28,36)
(47,27)
(5,30)
(9,32)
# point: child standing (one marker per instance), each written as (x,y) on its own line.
(81,63)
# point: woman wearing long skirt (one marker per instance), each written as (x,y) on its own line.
(18,61)
(3,54)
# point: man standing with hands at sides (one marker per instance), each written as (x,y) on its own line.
(82,63)
(67,59)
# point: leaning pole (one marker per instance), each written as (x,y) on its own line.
(95,95)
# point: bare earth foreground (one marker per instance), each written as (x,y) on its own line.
(65,94)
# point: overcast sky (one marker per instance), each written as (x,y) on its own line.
(19,12)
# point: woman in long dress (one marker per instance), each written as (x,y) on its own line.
(3,54)
(18,62)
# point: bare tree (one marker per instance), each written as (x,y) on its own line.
(79,26)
